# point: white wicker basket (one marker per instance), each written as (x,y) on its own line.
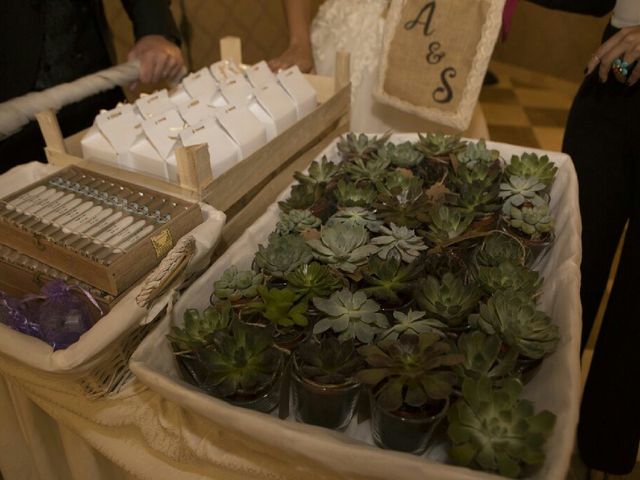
(320,453)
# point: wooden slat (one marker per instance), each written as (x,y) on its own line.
(50,130)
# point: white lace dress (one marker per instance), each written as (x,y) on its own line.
(356,26)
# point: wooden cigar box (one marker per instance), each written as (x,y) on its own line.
(115,233)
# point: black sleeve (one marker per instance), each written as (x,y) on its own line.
(598,8)
(152,17)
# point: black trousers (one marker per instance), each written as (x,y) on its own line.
(603,138)
(28,144)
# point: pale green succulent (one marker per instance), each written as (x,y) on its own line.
(514,318)
(397,184)
(199,327)
(353,146)
(297,221)
(402,155)
(532,165)
(399,242)
(486,174)
(483,357)
(535,220)
(477,154)
(494,430)
(283,254)
(372,170)
(508,276)
(438,144)
(477,199)
(319,172)
(498,248)
(352,216)
(303,196)
(449,300)
(447,224)
(313,280)
(343,247)
(413,323)
(235,285)
(347,194)
(412,371)
(516,191)
(350,315)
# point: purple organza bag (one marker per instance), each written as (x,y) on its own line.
(62,312)
(13,315)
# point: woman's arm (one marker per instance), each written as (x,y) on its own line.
(598,8)
(298,14)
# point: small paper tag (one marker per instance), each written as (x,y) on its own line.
(163,132)
(200,84)
(155,104)
(197,110)
(260,74)
(237,91)
(299,89)
(224,70)
(119,127)
(162,243)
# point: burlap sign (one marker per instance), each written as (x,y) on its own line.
(435,55)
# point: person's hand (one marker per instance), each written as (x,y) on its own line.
(294,55)
(625,45)
(159,58)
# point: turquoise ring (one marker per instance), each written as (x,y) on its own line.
(620,69)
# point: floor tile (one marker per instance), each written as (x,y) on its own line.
(514,135)
(502,114)
(543,98)
(549,138)
(498,95)
(547,117)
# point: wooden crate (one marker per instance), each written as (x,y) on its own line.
(246,189)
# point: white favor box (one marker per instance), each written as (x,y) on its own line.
(245,129)
(280,107)
(263,116)
(237,91)
(155,104)
(224,70)
(179,96)
(224,153)
(112,134)
(151,153)
(197,110)
(299,89)
(200,84)
(260,75)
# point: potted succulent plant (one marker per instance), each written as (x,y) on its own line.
(439,146)
(342,247)
(403,155)
(391,281)
(296,222)
(399,242)
(514,318)
(497,248)
(348,194)
(356,216)
(324,390)
(314,280)
(484,357)
(410,382)
(238,287)
(353,146)
(350,316)
(285,309)
(508,276)
(449,299)
(412,322)
(282,255)
(196,334)
(447,225)
(493,429)
(532,165)
(244,367)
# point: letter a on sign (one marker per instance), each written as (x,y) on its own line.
(435,56)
